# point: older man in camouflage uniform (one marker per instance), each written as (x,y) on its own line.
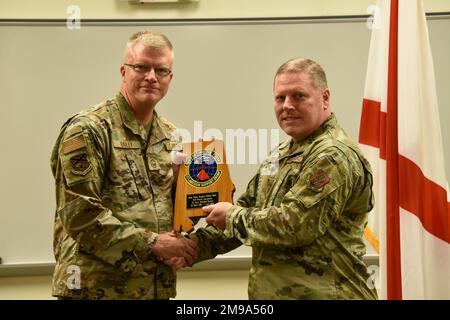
(114,181)
(305,210)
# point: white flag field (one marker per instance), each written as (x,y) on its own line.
(400,134)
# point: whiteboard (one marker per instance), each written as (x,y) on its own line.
(223,76)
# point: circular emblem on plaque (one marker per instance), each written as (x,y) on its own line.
(203,170)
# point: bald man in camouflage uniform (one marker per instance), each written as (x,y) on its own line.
(305,210)
(114,181)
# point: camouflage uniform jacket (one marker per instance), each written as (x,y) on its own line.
(113,196)
(304,219)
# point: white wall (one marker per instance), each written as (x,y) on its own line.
(123,9)
(192,284)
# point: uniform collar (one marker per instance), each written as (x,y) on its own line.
(291,148)
(157,133)
(127,114)
(158,130)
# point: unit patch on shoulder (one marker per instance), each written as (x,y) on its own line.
(80,164)
(318,180)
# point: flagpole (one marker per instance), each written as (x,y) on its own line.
(394,279)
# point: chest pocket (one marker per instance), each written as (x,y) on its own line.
(273,188)
(128,172)
(160,166)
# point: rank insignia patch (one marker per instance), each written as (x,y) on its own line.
(318,180)
(80,164)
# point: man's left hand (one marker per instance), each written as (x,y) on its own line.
(217,214)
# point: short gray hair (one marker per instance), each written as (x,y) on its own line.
(150,39)
(300,65)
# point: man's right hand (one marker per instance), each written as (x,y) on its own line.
(176,263)
(171,244)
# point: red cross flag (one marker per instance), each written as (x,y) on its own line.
(401,136)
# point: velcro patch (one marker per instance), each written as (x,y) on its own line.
(172,145)
(318,180)
(73,144)
(153,164)
(126,144)
(80,164)
(297,159)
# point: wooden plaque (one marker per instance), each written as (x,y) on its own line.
(203,179)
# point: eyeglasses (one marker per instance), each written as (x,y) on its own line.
(144,69)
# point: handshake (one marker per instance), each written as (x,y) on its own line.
(177,251)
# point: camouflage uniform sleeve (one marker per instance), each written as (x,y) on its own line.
(248,198)
(83,153)
(307,210)
(212,241)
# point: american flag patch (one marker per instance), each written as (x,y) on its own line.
(74,144)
